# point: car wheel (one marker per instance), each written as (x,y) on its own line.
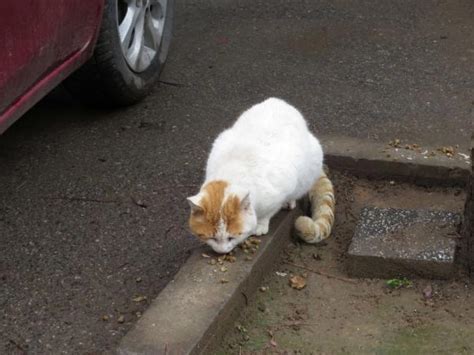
(129,55)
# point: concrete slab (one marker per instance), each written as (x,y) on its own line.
(392,242)
(193,311)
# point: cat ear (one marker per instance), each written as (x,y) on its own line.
(194,203)
(245,203)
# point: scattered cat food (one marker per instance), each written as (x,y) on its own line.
(449,151)
(212,262)
(395,143)
(224,269)
(230,258)
(297,282)
(264,289)
(139,299)
(412,147)
(399,283)
(121,319)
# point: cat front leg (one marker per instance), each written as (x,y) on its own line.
(262,226)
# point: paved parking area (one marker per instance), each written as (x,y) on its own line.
(92,203)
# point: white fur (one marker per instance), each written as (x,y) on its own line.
(270,154)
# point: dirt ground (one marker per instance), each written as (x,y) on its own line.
(340,315)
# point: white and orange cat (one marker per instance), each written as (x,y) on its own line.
(267,160)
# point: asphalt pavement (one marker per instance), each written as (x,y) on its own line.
(92,203)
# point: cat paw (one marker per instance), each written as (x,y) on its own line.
(262,228)
(290,205)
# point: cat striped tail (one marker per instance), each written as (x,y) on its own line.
(318,228)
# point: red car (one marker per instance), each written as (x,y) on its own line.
(110,51)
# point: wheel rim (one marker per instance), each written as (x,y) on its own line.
(140,26)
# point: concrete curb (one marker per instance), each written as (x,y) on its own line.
(377,161)
(194,310)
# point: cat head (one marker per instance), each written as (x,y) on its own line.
(221,216)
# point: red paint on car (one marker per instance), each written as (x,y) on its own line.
(41,43)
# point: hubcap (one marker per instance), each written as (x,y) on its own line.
(140,25)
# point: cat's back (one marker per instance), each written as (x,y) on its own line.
(270,115)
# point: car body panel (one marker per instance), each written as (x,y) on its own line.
(41,42)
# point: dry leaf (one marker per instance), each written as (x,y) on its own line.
(204,255)
(298,282)
(273,343)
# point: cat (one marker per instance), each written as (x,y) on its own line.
(267,160)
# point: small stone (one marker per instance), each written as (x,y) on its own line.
(138,279)
(105,318)
(139,299)
(428,292)
(263,289)
(121,319)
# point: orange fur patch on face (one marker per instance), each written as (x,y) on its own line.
(204,221)
(231,213)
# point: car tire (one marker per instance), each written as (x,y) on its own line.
(116,75)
